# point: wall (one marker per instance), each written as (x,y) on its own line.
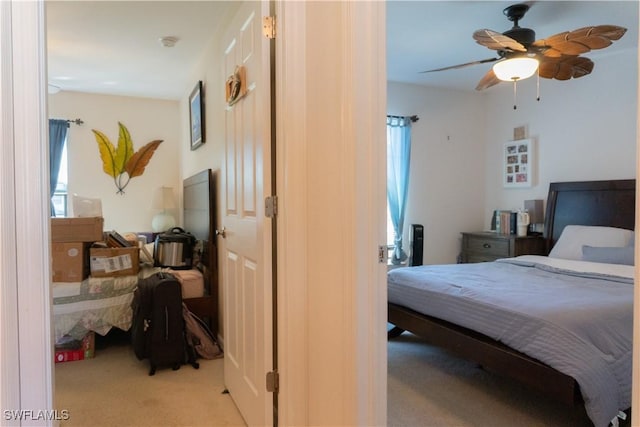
(147,120)
(447,170)
(208,70)
(585,129)
(210,154)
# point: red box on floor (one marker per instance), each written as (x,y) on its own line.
(69,355)
(86,351)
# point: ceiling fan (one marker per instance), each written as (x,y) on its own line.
(520,55)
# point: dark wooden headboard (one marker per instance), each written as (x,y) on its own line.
(199,203)
(605,203)
(199,218)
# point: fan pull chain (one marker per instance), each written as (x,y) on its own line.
(538,85)
(515,94)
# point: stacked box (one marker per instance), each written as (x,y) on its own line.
(76,229)
(70,241)
(70,261)
(110,262)
(86,350)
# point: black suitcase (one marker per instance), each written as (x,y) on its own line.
(158,329)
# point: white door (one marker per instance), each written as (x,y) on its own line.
(246,246)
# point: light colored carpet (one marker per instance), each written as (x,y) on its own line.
(429,387)
(114,389)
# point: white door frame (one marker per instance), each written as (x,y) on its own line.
(26,353)
(331,186)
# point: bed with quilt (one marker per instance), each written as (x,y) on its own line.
(560,323)
(94,304)
(101,303)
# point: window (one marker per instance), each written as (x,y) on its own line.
(398,157)
(59,199)
(390,231)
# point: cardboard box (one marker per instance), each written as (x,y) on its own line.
(76,229)
(70,261)
(109,262)
(85,351)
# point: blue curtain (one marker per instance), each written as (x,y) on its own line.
(398,156)
(57,136)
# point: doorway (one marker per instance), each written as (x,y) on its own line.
(309,355)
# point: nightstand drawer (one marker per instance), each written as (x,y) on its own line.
(476,257)
(485,247)
(489,246)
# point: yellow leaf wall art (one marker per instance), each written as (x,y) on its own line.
(121,162)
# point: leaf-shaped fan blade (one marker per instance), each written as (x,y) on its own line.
(124,150)
(452,67)
(488,80)
(496,41)
(107,154)
(580,41)
(565,68)
(136,164)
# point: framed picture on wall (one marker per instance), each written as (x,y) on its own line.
(518,163)
(196,116)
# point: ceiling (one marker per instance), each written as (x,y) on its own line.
(112,46)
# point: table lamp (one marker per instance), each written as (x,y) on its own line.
(163,200)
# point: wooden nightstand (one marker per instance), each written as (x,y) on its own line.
(488,246)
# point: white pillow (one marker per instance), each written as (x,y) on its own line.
(573,237)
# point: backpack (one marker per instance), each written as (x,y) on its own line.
(199,336)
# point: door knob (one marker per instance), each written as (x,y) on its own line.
(222,233)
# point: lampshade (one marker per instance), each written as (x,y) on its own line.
(515,68)
(163,198)
(535,210)
(162,222)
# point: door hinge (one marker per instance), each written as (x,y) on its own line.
(273,379)
(269,26)
(382,254)
(271,206)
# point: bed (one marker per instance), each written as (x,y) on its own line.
(521,337)
(94,304)
(101,303)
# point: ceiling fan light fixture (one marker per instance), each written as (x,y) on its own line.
(515,69)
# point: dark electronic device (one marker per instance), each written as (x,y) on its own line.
(417,244)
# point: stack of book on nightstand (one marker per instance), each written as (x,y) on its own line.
(506,222)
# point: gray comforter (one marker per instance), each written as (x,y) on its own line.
(579,323)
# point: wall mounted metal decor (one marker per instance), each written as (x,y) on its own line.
(121,160)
